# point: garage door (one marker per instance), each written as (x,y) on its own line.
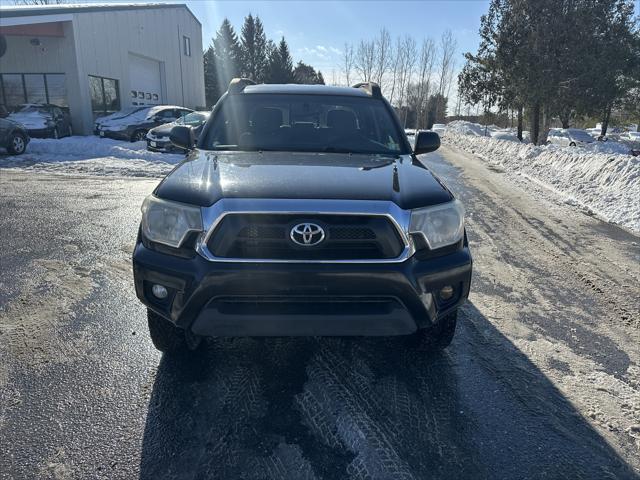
(144,75)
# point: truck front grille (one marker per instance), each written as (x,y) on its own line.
(267,236)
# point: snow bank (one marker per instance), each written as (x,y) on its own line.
(607,147)
(606,183)
(92,155)
(468,128)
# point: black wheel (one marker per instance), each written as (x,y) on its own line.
(138,136)
(572,144)
(165,336)
(17,145)
(437,337)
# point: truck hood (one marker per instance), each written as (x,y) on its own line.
(206,177)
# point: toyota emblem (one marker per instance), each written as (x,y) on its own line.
(307,234)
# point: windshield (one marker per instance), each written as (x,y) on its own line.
(307,123)
(193,119)
(580,135)
(31,108)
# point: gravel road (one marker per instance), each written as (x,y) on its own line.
(542,379)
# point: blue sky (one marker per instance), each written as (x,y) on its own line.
(316,31)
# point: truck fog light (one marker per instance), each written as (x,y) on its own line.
(159,291)
(446,292)
(427,300)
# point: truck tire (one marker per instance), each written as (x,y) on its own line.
(437,337)
(165,336)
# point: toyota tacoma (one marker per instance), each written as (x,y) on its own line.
(302,211)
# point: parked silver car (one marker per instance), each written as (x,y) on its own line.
(569,137)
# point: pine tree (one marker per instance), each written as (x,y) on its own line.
(227,51)
(221,62)
(280,64)
(306,74)
(253,48)
(211,86)
(529,56)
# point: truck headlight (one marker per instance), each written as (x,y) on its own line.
(168,222)
(440,225)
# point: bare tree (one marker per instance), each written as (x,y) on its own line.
(404,59)
(365,59)
(423,88)
(448,47)
(409,53)
(348,61)
(396,62)
(382,56)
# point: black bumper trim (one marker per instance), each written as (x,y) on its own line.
(197,285)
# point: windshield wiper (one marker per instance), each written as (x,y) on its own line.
(336,150)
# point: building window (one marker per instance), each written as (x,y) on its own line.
(35,89)
(13,90)
(19,88)
(187,46)
(56,90)
(105,95)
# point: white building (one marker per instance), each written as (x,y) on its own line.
(97,59)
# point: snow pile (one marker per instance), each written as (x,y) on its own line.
(505,135)
(468,128)
(30,119)
(607,147)
(92,155)
(607,184)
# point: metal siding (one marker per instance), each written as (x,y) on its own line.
(103,41)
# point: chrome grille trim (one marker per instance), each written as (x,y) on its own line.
(211,217)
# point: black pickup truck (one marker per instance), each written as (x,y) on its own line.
(303,210)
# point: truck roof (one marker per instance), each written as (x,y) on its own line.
(305,90)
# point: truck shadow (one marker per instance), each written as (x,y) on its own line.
(367,408)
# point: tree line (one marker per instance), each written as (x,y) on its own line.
(555,59)
(415,77)
(252,56)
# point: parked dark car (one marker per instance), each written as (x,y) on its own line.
(135,125)
(303,211)
(43,120)
(13,136)
(158,138)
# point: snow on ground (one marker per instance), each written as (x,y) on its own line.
(597,177)
(92,155)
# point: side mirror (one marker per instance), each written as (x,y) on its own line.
(426,142)
(182,137)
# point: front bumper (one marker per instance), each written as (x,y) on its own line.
(160,146)
(290,299)
(115,134)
